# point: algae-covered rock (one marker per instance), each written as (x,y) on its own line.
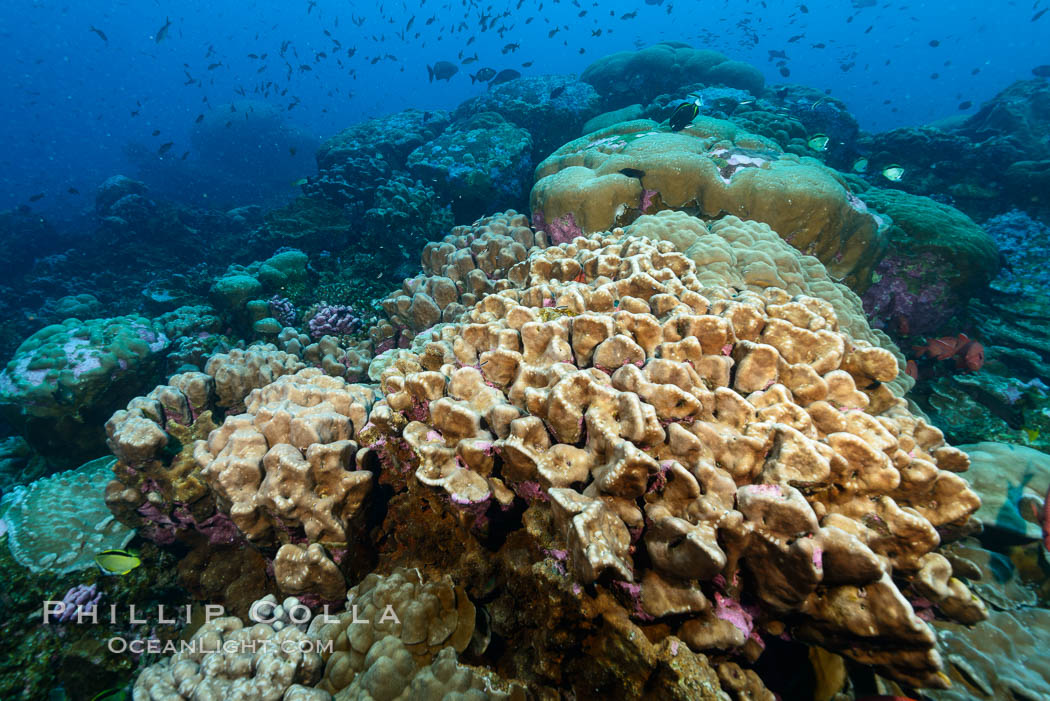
(66,378)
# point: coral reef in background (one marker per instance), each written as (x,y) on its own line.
(710,168)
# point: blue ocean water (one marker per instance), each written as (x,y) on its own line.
(78,106)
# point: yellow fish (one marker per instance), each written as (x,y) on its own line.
(893,173)
(819,142)
(117,561)
(1032,433)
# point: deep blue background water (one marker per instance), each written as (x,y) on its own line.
(67,113)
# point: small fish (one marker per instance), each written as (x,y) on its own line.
(117,694)
(965,105)
(156,132)
(165,147)
(819,142)
(893,173)
(683,115)
(37,197)
(73,191)
(1039,14)
(162,33)
(860,165)
(117,561)
(556,92)
(469,60)
(442,70)
(484,75)
(1032,433)
(199,119)
(101,34)
(291,150)
(632,173)
(934,43)
(300,182)
(507,74)
(1042,71)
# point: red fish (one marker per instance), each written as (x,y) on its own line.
(968,354)
(1044,519)
(911,369)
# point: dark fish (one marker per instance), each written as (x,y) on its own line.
(1039,14)
(73,191)
(213,66)
(629,15)
(156,132)
(469,60)
(505,75)
(484,75)
(162,33)
(804,9)
(935,43)
(37,197)
(199,119)
(442,70)
(965,105)
(291,150)
(101,34)
(683,115)
(785,71)
(1042,71)
(184,156)
(632,172)
(527,64)
(511,47)
(165,147)
(557,91)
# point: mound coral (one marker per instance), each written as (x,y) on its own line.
(721,459)
(469,263)
(477,164)
(59,523)
(229,660)
(710,168)
(635,76)
(66,378)
(939,258)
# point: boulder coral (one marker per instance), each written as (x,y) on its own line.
(627,77)
(723,460)
(66,378)
(710,168)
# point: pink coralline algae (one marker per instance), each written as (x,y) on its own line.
(333,320)
(81,599)
(162,529)
(730,610)
(282,309)
(647,200)
(562,229)
(531,491)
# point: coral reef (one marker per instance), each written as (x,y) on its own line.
(478,164)
(66,378)
(939,259)
(711,168)
(59,523)
(738,437)
(633,76)
(549,107)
